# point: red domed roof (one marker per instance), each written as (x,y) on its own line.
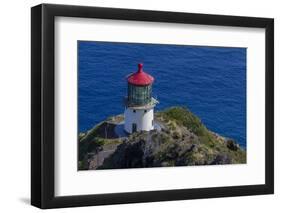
(140,78)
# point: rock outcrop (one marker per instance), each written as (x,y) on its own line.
(182,141)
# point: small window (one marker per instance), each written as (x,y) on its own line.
(134,110)
(145,111)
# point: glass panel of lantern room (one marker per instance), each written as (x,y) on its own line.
(149,91)
(139,95)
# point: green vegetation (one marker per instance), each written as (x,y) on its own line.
(184,117)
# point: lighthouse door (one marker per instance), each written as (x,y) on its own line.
(134,127)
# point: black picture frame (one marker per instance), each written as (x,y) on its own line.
(43,111)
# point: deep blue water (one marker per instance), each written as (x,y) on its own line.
(210,81)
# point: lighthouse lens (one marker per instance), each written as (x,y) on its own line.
(139,95)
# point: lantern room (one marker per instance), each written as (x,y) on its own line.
(139,88)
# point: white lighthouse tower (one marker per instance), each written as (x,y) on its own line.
(139,103)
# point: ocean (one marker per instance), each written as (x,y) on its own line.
(210,81)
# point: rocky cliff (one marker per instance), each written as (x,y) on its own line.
(181,140)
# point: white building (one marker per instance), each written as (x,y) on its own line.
(139,103)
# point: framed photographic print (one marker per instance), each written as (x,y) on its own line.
(140,106)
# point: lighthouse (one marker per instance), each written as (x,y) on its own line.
(139,103)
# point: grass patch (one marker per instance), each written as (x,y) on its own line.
(182,116)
